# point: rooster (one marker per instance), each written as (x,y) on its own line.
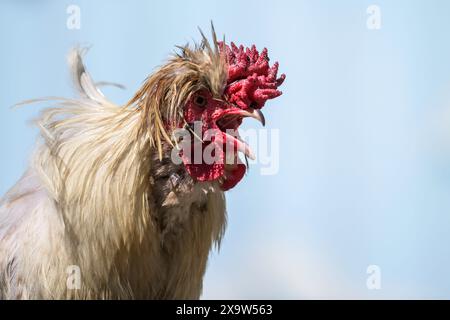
(104,193)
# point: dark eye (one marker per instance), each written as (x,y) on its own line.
(200,101)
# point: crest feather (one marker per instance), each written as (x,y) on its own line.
(163,95)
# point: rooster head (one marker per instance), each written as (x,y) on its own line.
(208,90)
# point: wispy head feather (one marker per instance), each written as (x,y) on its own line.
(164,93)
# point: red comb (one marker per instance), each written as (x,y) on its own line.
(251,81)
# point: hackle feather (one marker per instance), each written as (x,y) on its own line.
(88,198)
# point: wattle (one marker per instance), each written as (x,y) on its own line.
(210,172)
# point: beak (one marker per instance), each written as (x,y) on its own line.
(235,141)
(253,113)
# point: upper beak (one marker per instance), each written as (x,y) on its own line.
(249,112)
(254,113)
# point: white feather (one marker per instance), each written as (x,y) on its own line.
(86,200)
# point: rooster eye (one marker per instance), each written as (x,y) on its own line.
(200,101)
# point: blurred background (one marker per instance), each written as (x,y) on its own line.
(364,126)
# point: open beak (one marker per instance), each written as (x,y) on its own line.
(228,117)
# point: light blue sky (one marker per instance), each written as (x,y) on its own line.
(364,146)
